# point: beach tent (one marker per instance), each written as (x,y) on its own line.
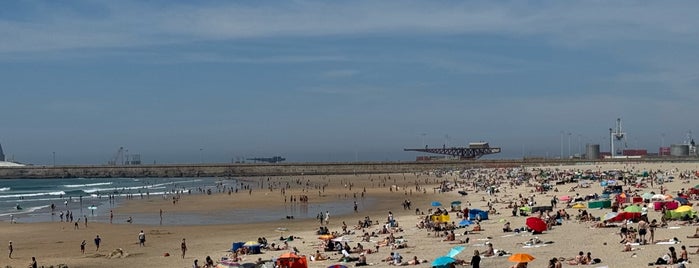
(291,260)
(474,214)
(236,245)
(682,200)
(440,218)
(600,204)
(680,212)
(669,205)
(625,216)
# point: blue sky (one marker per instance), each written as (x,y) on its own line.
(182,82)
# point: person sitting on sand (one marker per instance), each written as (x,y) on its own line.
(489,252)
(450,237)
(519,265)
(627,247)
(319,256)
(578,260)
(506,228)
(361,261)
(477,228)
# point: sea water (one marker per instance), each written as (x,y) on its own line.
(30,200)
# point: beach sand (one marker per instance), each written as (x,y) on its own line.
(54,243)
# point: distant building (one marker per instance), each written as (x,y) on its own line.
(2,155)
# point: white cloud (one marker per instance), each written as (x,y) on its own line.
(130,24)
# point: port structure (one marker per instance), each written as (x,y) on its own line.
(474,151)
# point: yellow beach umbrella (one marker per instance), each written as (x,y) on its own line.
(578,205)
(251,243)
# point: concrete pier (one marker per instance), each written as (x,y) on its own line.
(286,169)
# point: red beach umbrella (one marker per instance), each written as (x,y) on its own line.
(536,224)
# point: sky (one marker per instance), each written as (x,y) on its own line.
(219,81)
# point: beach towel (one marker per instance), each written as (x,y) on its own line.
(535,246)
(667,243)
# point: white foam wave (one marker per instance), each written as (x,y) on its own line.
(24,211)
(4,189)
(32,194)
(144,187)
(87,185)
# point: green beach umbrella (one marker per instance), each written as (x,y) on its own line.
(633,209)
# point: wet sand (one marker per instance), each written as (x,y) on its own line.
(56,243)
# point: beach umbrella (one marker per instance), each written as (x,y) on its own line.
(683,209)
(697,186)
(442,261)
(564,198)
(465,222)
(337,266)
(436,204)
(681,200)
(658,197)
(456,202)
(633,209)
(251,243)
(610,215)
(326,237)
(281,230)
(579,205)
(342,239)
(647,196)
(536,224)
(521,257)
(455,251)
(527,209)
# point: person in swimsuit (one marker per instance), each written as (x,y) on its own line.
(82,247)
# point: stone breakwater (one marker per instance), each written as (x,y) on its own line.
(285,169)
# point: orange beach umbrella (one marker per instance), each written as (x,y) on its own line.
(521,257)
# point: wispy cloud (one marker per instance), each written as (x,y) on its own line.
(130,24)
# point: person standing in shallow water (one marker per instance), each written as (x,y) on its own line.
(183,246)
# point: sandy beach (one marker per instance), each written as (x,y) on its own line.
(59,243)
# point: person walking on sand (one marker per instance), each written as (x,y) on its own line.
(142,239)
(10,249)
(98,240)
(82,247)
(184,247)
(33,263)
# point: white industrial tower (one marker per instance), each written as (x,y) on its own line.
(617,136)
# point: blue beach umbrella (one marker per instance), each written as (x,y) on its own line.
(443,261)
(455,251)
(436,204)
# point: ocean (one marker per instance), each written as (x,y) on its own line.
(30,200)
